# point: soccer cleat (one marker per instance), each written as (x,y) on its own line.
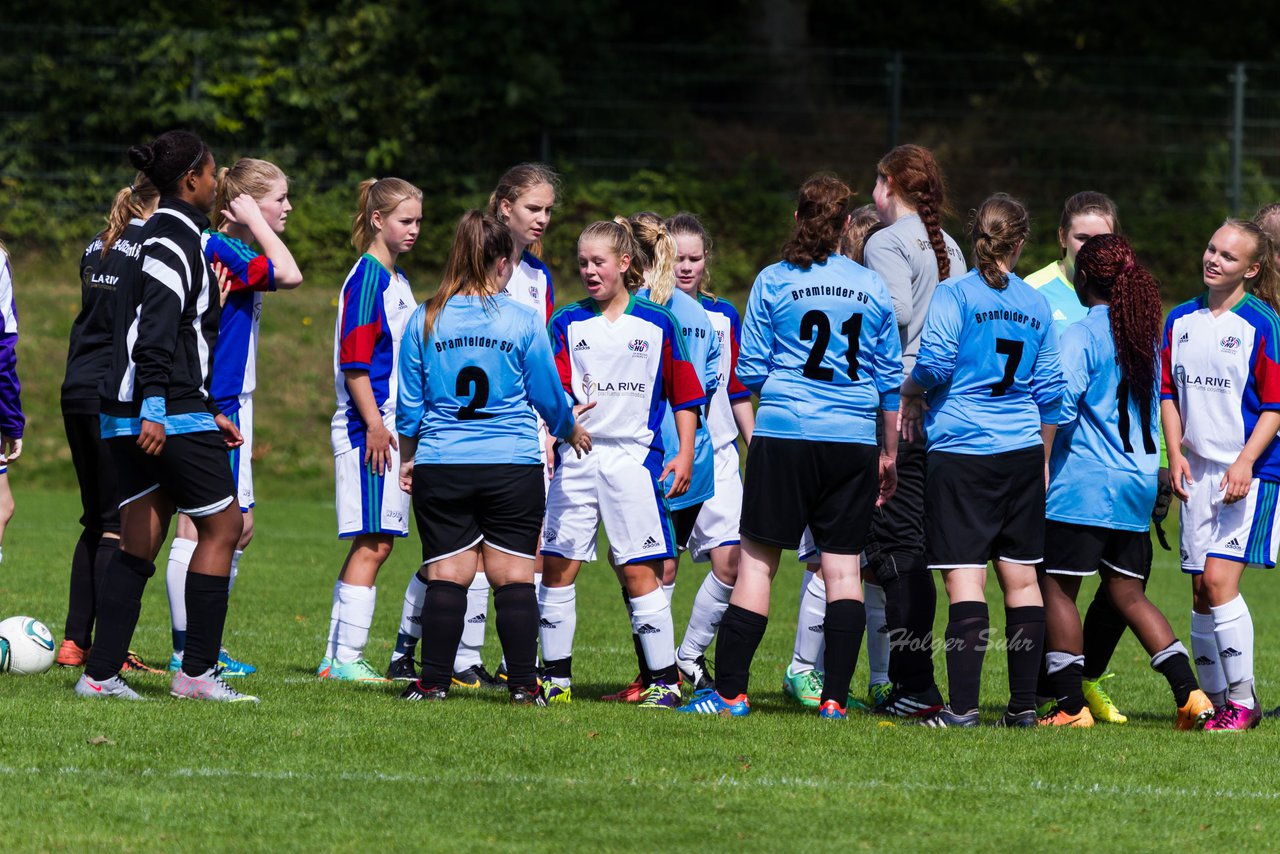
(402,670)
(906,704)
(1195,713)
(709,702)
(633,693)
(805,688)
(175,662)
(831,711)
(207,686)
(695,672)
(133,663)
(71,655)
(557,693)
(878,693)
(475,677)
(944,718)
(113,687)
(1233,717)
(355,671)
(1045,707)
(1274,713)
(1100,703)
(230,667)
(323,669)
(854,704)
(660,696)
(1058,717)
(416,691)
(528,697)
(1018,720)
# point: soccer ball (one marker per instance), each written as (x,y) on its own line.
(26,646)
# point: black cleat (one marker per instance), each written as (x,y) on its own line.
(528,697)
(476,677)
(906,704)
(1018,720)
(416,691)
(944,718)
(402,670)
(696,672)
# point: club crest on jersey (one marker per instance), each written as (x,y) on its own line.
(639,346)
(1230,344)
(533,291)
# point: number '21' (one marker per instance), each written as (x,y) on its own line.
(815,327)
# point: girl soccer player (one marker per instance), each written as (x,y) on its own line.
(373,308)
(472,363)
(166,436)
(12,420)
(251,206)
(657,261)
(1220,403)
(107,261)
(627,355)
(988,360)
(523,200)
(1103,477)
(820,345)
(714,537)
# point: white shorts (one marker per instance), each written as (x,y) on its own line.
(242,457)
(613,485)
(1244,532)
(718,520)
(368,503)
(807,552)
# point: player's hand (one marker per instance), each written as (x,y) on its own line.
(1236,482)
(151,437)
(682,468)
(231,436)
(243,210)
(10,448)
(1164,496)
(1179,475)
(406,477)
(377,449)
(888,479)
(911,417)
(580,440)
(224,281)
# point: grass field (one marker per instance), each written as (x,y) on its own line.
(325,766)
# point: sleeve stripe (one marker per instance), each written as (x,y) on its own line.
(167,276)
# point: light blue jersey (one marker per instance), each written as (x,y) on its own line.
(703,347)
(1103,468)
(821,348)
(466,391)
(989,363)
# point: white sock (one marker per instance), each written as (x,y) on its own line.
(1204,646)
(175,577)
(810,636)
(473,625)
(669,590)
(559,608)
(410,617)
(355,616)
(877,633)
(235,567)
(709,605)
(1233,628)
(651,620)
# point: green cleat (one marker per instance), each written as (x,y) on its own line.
(322,671)
(355,671)
(878,694)
(805,688)
(1100,703)
(557,693)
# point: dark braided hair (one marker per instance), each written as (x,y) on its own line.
(1107,268)
(916,178)
(168,157)
(821,212)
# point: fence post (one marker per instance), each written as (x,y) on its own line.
(1237,138)
(895,97)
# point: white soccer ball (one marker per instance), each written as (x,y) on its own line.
(26,646)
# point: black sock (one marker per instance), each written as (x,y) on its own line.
(119,603)
(81,602)
(516,613)
(845,623)
(1176,669)
(740,633)
(561,668)
(1103,628)
(206,598)
(646,678)
(444,613)
(910,603)
(967,634)
(1024,633)
(1064,681)
(1044,686)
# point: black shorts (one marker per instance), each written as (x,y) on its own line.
(830,487)
(192,470)
(683,521)
(984,508)
(457,506)
(1084,549)
(95,471)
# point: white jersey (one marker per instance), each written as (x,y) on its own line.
(531,285)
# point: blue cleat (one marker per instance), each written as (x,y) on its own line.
(708,702)
(231,667)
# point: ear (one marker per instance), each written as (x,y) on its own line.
(504,210)
(1254,269)
(848,221)
(624,263)
(375,219)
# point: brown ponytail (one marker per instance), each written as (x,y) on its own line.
(822,211)
(657,254)
(135,201)
(479,242)
(996,229)
(915,177)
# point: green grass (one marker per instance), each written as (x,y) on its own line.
(337,767)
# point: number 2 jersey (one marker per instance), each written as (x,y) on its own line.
(465,390)
(1102,471)
(1224,372)
(989,364)
(632,368)
(373,308)
(821,348)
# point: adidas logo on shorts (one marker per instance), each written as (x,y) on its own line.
(478,618)
(647,629)
(649,543)
(1230,652)
(1234,543)
(580,346)
(816,627)
(544,623)
(1204,661)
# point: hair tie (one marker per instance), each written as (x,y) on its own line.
(132,189)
